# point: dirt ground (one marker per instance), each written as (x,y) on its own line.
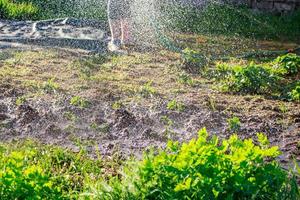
(119,103)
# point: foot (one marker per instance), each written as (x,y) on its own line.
(114,45)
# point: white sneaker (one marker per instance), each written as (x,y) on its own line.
(114,46)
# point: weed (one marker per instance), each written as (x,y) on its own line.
(147,90)
(186,79)
(12,10)
(80,102)
(70,116)
(103,128)
(174,105)
(117,105)
(166,121)
(283,108)
(20,100)
(192,61)
(288,64)
(234,124)
(50,86)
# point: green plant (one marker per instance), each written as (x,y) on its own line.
(29,170)
(79,102)
(192,61)
(20,100)
(234,124)
(295,94)
(50,86)
(147,90)
(117,105)
(174,105)
(186,79)
(12,10)
(207,169)
(288,64)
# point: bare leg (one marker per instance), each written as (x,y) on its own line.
(115,29)
(126,37)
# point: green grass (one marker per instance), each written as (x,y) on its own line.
(200,169)
(231,20)
(11,10)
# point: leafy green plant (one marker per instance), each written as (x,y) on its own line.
(186,79)
(50,86)
(192,61)
(295,94)
(174,105)
(288,64)
(147,90)
(31,171)
(234,124)
(117,105)
(20,100)
(208,169)
(79,102)
(12,10)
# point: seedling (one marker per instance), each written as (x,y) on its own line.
(80,102)
(50,86)
(148,90)
(234,124)
(174,105)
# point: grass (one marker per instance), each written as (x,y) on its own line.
(11,10)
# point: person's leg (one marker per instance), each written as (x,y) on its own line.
(126,37)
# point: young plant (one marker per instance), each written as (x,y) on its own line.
(20,100)
(234,124)
(174,105)
(50,86)
(148,90)
(80,102)
(289,64)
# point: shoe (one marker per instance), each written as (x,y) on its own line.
(114,45)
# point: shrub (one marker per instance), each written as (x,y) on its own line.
(11,10)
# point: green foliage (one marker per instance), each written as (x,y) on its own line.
(80,102)
(234,124)
(50,86)
(174,105)
(295,94)
(192,61)
(147,90)
(288,64)
(224,18)
(277,78)
(186,79)
(200,169)
(31,171)
(49,9)
(253,79)
(20,100)
(210,169)
(11,10)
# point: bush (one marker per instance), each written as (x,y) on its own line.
(11,10)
